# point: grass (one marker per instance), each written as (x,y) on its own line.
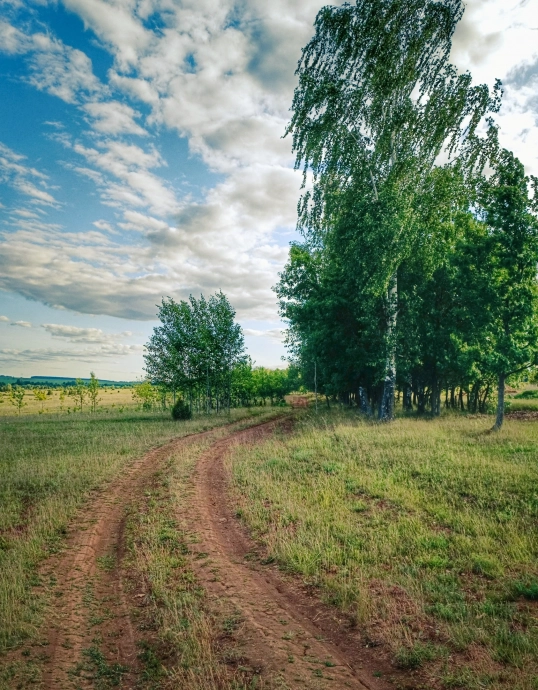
(48,468)
(423,531)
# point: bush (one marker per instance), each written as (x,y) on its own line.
(181,410)
(527,395)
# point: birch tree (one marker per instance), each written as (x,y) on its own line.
(379,100)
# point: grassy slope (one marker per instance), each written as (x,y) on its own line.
(48,467)
(424,531)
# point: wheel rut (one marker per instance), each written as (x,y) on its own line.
(287,636)
(90,629)
(290,638)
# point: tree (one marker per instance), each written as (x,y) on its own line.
(17,398)
(40,395)
(80,391)
(378,101)
(512,298)
(145,394)
(93,391)
(195,350)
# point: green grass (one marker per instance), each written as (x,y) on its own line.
(48,468)
(423,531)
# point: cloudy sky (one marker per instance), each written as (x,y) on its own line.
(141,155)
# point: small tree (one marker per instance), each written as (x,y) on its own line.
(144,393)
(40,396)
(80,391)
(17,398)
(93,391)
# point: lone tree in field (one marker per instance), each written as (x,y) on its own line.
(93,391)
(378,100)
(195,349)
(17,398)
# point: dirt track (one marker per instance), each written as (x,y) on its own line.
(288,636)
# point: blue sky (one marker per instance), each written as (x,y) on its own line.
(141,155)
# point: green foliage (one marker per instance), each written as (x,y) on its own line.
(195,350)
(93,391)
(16,395)
(145,394)
(80,392)
(527,395)
(405,262)
(181,410)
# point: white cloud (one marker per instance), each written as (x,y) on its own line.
(21,177)
(272,333)
(22,324)
(76,334)
(92,355)
(114,118)
(12,40)
(4,318)
(115,25)
(63,71)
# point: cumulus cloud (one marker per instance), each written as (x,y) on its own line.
(25,356)
(63,71)
(4,318)
(77,334)
(22,324)
(114,118)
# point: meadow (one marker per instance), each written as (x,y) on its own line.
(49,466)
(423,531)
(59,402)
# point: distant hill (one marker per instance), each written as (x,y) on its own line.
(55,381)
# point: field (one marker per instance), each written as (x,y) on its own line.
(111,400)
(49,467)
(424,532)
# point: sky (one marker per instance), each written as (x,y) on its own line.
(142,156)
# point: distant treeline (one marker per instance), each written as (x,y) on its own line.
(54,382)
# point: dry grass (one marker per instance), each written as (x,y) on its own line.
(111,401)
(424,531)
(48,468)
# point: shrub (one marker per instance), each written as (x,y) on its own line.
(181,410)
(527,395)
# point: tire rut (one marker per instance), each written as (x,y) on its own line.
(90,623)
(291,639)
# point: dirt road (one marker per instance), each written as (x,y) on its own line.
(291,639)
(290,636)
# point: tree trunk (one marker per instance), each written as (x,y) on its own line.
(363,402)
(386,407)
(500,404)
(408,405)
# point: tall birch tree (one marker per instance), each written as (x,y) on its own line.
(379,100)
